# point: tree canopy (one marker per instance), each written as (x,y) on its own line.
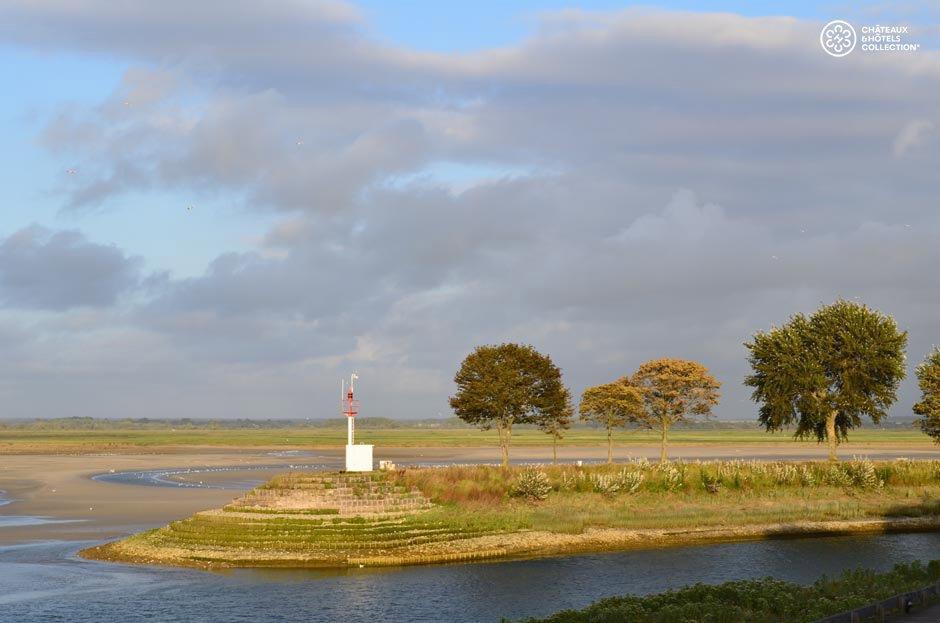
(499,386)
(928,378)
(612,405)
(826,371)
(674,390)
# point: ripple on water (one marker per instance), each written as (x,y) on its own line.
(43,582)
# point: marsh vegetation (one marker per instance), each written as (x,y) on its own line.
(472,512)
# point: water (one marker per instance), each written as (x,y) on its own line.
(240,477)
(16,521)
(235,477)
(46,582)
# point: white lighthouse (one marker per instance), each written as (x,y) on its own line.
(358,456)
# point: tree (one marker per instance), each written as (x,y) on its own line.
(500,386)
(556,425)
(928,378)
(674,390)
(611,405)
(826,371)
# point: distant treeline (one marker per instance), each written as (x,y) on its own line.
(89,423)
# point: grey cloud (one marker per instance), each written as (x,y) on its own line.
(661,98)
(808,179)
(59,270)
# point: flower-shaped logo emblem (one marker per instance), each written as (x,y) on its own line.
(837,38)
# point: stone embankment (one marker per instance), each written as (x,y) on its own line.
(340,495)
(301,520)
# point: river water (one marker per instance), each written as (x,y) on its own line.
(46,582)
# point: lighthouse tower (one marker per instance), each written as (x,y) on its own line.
(358,456)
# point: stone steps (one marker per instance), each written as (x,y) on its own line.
(331,495)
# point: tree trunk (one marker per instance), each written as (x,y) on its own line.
(610,456)
(662,443)
(831,438)
(505,434)
(554,449)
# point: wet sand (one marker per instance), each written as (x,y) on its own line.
(61,488)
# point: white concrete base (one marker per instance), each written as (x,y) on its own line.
(359,458)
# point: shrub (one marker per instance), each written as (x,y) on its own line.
(532,484)
(837,476)
(864,475)
(673,479)
(631,481)
(765,600)
(785,474)
(624,481)
(807,478)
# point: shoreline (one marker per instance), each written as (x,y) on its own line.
(528,544)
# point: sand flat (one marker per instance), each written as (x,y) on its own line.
(60,487)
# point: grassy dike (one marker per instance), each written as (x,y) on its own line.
(431,515)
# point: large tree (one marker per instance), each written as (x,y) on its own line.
(501,386)
(826,371)
(928,378)
(674,390)
(612,405)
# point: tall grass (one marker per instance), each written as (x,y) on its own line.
(644,495)
(471,484)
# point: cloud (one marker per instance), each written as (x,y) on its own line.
(912,135)
(657,183)
(60,270)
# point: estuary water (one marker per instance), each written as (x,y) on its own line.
(47,582)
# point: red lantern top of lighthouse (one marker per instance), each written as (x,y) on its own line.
(350,405)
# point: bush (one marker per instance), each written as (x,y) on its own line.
(864,474)
(756,601)
(673,478)
(532,484)
(625,481)
(837,476)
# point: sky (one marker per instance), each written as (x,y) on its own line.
(219,209)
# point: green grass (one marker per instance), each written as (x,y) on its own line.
(757,601)
(13,440)
(477,501)
(324,539)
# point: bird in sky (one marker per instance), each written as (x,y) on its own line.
(71,171)
(189,208)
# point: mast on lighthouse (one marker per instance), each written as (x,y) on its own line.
(350,407)
(358,456)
